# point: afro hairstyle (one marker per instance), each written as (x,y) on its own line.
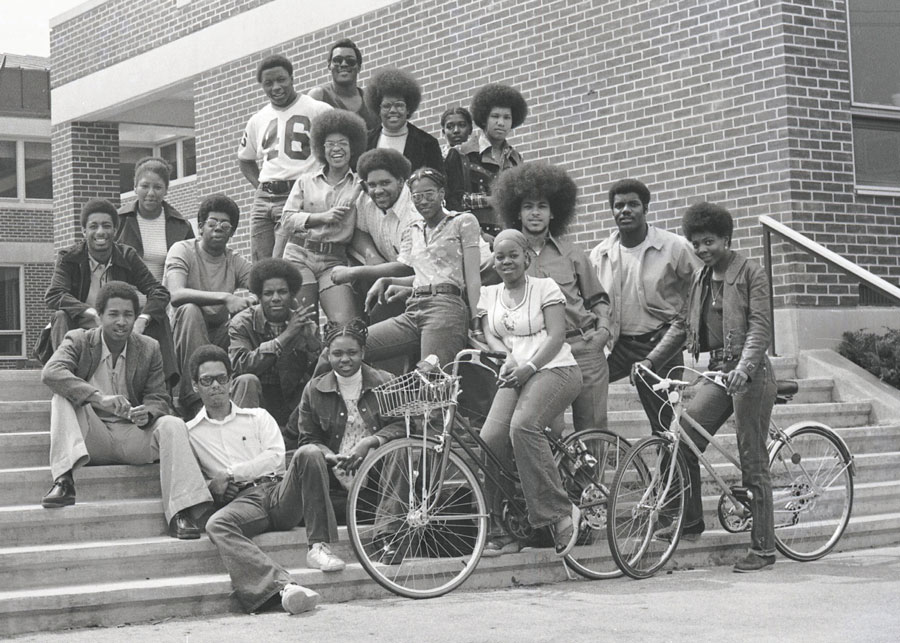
(382,158)
(208,353)
(219,203)
(118,289)
(393,81)
(338,121)
(99,205)
(627,186)
(532,181)
(707,217)
(498,95)
(155,164)
(272,268)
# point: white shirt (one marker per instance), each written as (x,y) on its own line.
(153,238)
(279,138)
(393,142)
(386,227)
(110,379)
(636,320)
(248,442)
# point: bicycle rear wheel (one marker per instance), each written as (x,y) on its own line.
(416,529)
(812,492)
(646,507)
(587,471)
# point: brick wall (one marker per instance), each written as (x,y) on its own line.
(184,198)
(743,102)
(37,277)
(85,166)
(120,29)
(26,225)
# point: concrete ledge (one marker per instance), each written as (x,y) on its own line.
(852,383)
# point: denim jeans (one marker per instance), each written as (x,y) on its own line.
(710,408)
(515,428)
(436,323)
(266,213)
(191,332)
(302,495)
(589,408)
(624,355)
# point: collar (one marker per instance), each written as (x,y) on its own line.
(258,318)
(734,266)
(322,174)
(104,349)
(655,239)
(448,214)
(327,383)
(94,264)
(202,416)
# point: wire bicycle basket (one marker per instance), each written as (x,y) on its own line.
(416,393)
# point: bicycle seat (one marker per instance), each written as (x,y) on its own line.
(787,387)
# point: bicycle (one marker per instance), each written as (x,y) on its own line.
(416,513)
(812,486)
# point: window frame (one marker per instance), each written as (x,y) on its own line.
(22,317)
(21,199)
(180,178)
(860,109)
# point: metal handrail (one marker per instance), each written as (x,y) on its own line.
(799,239)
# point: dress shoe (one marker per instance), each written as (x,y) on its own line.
(754,563)
(61,494)
(183,528)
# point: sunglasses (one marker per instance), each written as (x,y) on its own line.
(208,380)
(343,60)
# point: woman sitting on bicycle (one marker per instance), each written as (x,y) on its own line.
(728,316)
(525,317)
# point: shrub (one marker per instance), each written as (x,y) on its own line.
(878,354)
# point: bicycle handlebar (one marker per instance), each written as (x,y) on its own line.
(665,383)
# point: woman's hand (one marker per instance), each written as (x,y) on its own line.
(736,381)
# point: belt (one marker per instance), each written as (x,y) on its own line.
(717,355)
(438,289)
(579,332)
(324,247)
(258,482)
(646,337)
(276,187)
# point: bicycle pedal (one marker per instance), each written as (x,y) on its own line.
(742,494)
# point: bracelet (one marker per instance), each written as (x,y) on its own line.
(531,364)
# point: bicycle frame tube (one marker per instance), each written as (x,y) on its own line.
(702,458)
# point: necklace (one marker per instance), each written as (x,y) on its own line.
(716,291)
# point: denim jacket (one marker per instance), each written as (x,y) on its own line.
(323,414)
(746,316)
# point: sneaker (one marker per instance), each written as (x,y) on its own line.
(566,537)
(320,557)
(499,545)
(754,563)
(296,598)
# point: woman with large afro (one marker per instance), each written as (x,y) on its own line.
(497,109)
(394,94)
(539,199)
(320,212)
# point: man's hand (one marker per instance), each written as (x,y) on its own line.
(115,404)
(634,376)
(736,381)
(342,274)
(599,337)
(222,489)
(375,295)
(140,325)
(235,304)
(139,415)
(298,322)
(351,461)
(397,293)
(334,216)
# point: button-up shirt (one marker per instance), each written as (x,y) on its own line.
(99,277)
(438,257)
(110,378)
(247,441)
(386,226)
(568,266)
(313,194)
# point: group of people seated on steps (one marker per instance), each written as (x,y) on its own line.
(170,347)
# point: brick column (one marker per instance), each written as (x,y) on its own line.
(85,166)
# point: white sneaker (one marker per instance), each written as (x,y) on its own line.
(296,598)
(320,557)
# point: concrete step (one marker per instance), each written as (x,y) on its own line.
(31,415)
(22,385)
(27,485)
(634,424)
(115,603)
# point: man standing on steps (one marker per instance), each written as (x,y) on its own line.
(343,92)
(647,273)
(241,451)
(277,136)
(110,406)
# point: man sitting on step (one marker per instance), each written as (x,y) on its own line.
(110,406)
(242,452)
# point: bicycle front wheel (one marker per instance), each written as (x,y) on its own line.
(646,507)
(587,466)
(417,528)
(812,492)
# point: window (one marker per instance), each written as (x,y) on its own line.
(875,59)
(25,170)
(181,155)
(12,336)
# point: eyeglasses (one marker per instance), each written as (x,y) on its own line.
(208,380)
(330,145)
(425,195)
(399,106)
(342,60)
(224,226)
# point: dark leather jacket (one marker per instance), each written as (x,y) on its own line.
(323,414)
(746,316)
(129,232)
(422,149)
